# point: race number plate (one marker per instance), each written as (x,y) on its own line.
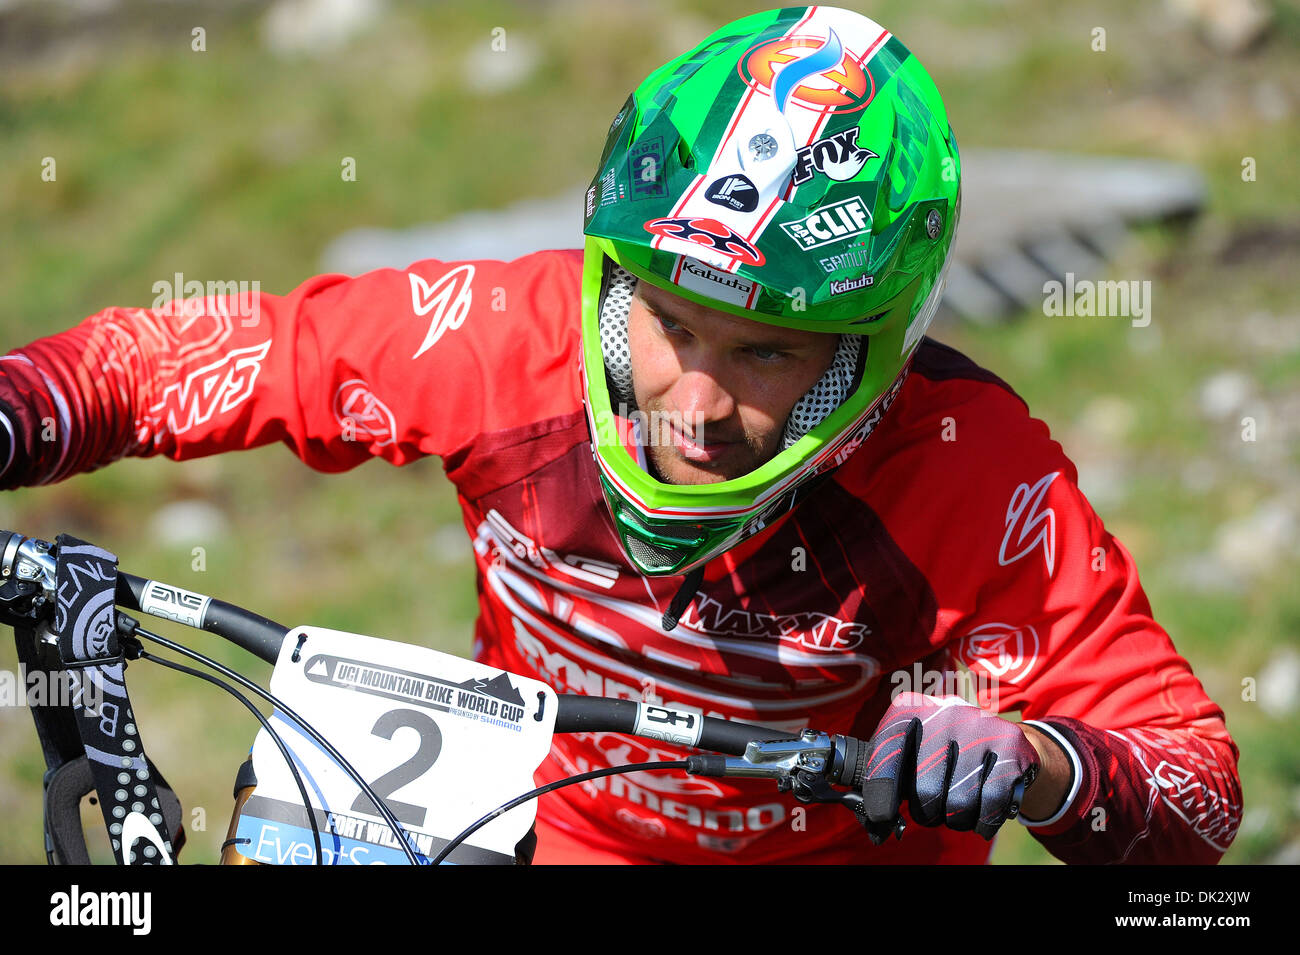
(442,740)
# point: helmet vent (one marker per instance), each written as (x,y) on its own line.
(659,558)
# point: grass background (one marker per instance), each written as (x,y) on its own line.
(226,163)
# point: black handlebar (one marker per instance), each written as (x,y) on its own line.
(256,634)
(595,714)
(28,570)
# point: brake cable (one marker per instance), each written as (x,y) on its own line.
(266,725)
(404,837)
(551,787)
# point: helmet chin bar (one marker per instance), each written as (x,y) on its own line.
(835,385)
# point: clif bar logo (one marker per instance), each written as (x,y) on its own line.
(839,220)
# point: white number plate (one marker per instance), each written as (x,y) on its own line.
(442,740)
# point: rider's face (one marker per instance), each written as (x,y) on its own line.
(716,388)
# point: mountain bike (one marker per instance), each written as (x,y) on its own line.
(320,789)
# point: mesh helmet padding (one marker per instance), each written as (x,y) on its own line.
(836,384)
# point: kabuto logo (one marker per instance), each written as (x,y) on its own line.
(709,233)
(735,192)
(837,157)
(839,220)
(695,275)
(1005,652)
(841,286)
(212,389)
(816,73)
(360,414)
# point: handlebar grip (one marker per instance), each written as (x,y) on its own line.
(706,765)
(854,767)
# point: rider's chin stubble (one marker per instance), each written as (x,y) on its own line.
(669,465)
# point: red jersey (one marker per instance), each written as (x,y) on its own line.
(956,534)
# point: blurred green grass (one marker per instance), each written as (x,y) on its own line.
(226,163)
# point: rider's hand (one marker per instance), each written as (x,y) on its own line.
(953,763)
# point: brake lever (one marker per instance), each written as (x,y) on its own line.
(800,767)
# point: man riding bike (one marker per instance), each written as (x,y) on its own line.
(713,460)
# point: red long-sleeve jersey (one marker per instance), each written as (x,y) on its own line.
(956,534)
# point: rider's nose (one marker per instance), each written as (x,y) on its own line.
(702,399)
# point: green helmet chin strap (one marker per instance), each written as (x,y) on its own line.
(796,169)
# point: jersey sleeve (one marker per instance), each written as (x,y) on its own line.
(394,363)
(1047,612)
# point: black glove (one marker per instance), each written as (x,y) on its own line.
(954,764)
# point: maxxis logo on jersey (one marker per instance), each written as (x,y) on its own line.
(361,414)
(448,300)
(844,87)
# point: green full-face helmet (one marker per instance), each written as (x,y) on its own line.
(796,168)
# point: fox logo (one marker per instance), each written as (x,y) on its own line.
(837,157)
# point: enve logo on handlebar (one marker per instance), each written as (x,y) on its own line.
(323,788)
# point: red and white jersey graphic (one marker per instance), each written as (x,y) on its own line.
(918,552)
